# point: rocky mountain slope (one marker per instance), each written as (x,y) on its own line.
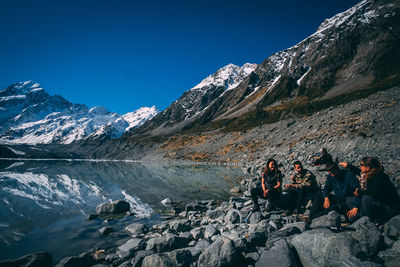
(351,55)
(194,101)
(29,115)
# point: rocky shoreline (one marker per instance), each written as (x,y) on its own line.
(202,233)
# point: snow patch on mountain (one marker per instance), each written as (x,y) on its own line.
(229,76)
(140,116)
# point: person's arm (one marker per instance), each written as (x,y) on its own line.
(278,181)
(327,187)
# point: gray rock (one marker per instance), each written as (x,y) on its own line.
(186,235)
(106,230)
(180,225)
(256,238)
(355,262)
(77,261)
(252,256)
(166,243)
(367,235)
(221,253)
(115,207)
(321,247)
(180,257)
(210,231)
(255,217)
(139,257)
(302,226)
(197,232)
(390,258)
(32,260)
(159,260)
(215,214)
(279,255)
(332,219)
(392,228)
(396,246)
(233,216)
(136,229)
(132,245)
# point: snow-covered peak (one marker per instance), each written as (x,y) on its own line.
(229,76)
(31,116)
(138,117)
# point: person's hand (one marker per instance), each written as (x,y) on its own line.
(355,193)
(352,213)
(327,203)
(344,164)
(288,186)
(265,193)
(277,186)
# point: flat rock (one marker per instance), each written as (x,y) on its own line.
(332,219)
(166,243)
(279,255)
(321,247)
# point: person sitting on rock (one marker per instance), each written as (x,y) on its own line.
(271,181)
(304,186)
(325,158)
(379,198)
(343,183)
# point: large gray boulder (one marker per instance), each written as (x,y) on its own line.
(390,258)
(130,246)
(221,253)
(367,235)
(321,247)
(159,260)
(215,214)
(392,228)
(180,225)
(180,257)
(115,207)
(77,261)
(332,219)
(32,260)
(166,243)
(233,216)
(137,261)
(279,255)
(355,262)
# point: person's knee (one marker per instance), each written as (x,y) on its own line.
(366,200)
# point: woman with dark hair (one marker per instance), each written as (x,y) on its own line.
(271,185)
(379,198)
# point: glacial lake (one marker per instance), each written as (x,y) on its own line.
(44,205)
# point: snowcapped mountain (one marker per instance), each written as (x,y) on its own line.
(28,115)
(194,101)
(350,54)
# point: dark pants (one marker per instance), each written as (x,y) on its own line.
(375,209)
(299,196)
(274,196)
(341,206)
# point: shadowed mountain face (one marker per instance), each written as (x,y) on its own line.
(350,56)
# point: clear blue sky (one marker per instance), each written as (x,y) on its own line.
(125,54)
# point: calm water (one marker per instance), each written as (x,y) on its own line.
(44,204)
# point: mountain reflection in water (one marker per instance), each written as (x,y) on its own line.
(44,204)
